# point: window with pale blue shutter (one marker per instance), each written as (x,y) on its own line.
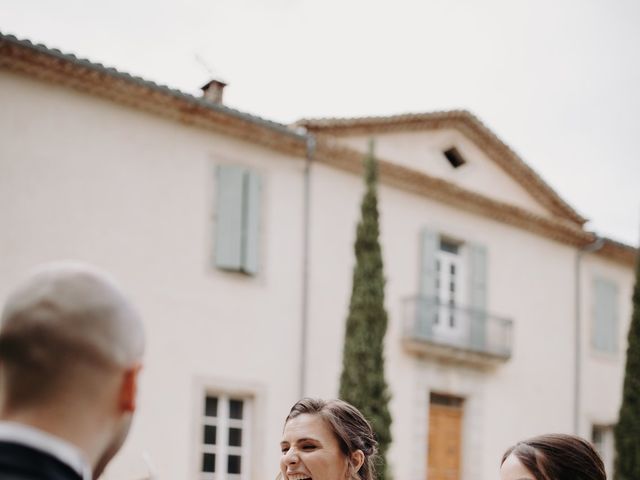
(237,219)
(229,213)
(478,295)
(604,334)
(427,308)
(251,222)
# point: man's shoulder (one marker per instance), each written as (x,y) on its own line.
(20,462)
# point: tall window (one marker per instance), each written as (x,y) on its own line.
(449,275)
(452,291)
(225,438)
(604,332)
(237,219)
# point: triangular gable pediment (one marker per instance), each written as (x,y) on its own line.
(422,142)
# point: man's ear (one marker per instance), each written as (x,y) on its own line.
(129,388)
(357,459)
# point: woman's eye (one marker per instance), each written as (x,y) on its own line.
(308,447)
(284,450)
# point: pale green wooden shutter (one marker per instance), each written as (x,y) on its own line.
(605,316)
(478,296)
(229,213)
(251,223)
(427,307)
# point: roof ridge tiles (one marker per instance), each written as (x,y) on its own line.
(115,72)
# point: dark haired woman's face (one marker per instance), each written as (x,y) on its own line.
(310,450)
(513,469)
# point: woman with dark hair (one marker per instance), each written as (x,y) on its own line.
(552,457)
(327,440)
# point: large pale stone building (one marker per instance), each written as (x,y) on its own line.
(234,236)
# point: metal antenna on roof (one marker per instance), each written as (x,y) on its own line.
(204,64)
(214,74)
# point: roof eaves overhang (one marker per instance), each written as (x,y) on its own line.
(50,64)
(618,251)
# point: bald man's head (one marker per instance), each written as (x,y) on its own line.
(63,330)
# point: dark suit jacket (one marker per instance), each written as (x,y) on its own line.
(19,462)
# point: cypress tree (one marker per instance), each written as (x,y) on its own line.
(627,431)
(362,382)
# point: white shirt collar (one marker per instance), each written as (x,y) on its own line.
(32,437)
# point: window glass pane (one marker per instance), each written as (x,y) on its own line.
(209,434)
(448,246)
(235,410)
(209,462)
(235,437)
(233,464)
(597,438)
(211,407)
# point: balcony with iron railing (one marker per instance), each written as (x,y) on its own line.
(451,332)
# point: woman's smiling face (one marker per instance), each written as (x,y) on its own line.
(311,450)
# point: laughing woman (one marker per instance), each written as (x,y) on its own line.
(327,440)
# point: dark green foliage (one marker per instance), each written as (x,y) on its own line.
(627,431)
(362,382)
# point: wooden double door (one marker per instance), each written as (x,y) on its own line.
(444,458)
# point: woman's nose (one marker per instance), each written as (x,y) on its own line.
(290,457)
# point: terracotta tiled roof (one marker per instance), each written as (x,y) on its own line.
(470,126)
(619,251)
(67,69)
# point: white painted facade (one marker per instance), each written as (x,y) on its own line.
(85,178)
(134,194)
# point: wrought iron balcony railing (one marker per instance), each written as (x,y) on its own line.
(447,330)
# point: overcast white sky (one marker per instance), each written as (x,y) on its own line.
(557,80)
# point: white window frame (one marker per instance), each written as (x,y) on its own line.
(222,450)
(451,301)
